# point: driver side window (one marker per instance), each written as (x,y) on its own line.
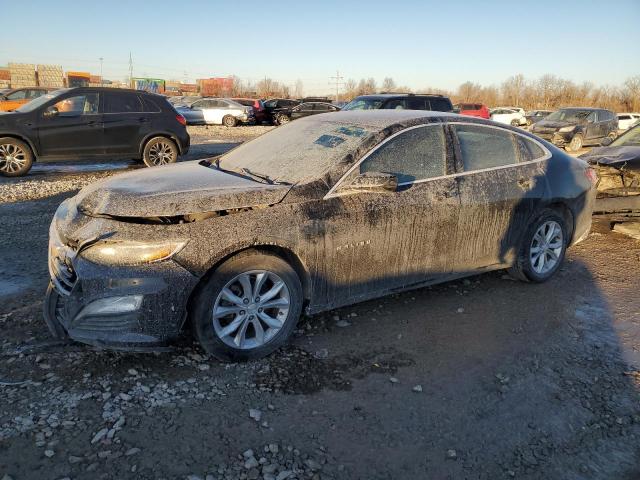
(78,105)
(415,154)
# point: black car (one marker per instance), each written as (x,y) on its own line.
(617,163)
(324,212)
(87,122)
(285,115)
(273,106)
(534,116)
(400,101)
(577,127)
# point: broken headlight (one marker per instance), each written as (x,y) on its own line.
(130,252)
(569,128)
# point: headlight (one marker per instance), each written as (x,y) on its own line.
(570,128)
(131,253)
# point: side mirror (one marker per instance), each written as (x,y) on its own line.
(372,182)
(606,142)
(51,111)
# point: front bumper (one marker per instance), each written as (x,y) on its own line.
(116,306)
(559,139)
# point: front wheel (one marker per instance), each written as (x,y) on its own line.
(16,158)
(159,151)
(575,144)
(542,250)
(229,121)
(248,307)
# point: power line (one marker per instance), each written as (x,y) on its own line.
(337,80)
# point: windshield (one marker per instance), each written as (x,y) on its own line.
(297,152)
(569,115)
(41,100)
(363,104)
(630,139)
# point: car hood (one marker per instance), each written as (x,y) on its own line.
(553,124)
(613,155)
(181,189)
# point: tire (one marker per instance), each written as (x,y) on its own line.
(529,123)
(613,135)
(16,157)
(282,119)
(575,144)
(229,121)
(159,151)
(248,267)
(527,266)
(515,123)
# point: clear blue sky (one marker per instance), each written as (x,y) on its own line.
(418,43)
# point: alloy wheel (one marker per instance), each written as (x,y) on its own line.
(160,153)
(12,158)
(546,247)
(251,309)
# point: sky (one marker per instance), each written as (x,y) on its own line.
(420,44)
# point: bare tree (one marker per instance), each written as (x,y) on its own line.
(388,85)
(350,89)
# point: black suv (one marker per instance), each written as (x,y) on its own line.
(273,107)
(285,115)
(86,122)
(575,127)
(400,101)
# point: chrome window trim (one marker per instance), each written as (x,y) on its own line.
(547,155)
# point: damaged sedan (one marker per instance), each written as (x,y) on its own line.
(324,212)
(617,164)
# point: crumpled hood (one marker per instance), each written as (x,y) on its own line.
(181,189)
(613,155)
(552,124)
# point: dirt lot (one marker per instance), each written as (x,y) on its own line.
(483,378)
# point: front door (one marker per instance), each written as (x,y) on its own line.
(378,242)
(125,122)
(501,183)
(72,127)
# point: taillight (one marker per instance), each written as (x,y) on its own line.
(591,174)
(181,120)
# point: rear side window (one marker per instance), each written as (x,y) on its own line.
(396,104)
(122,103)
(415,154)
(440,104)
(528,149)
(150,106)
(485,147)
(418,104)
(624,117)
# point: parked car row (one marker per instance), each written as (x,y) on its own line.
(14,98)
(91,122)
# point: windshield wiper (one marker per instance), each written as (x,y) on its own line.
(262,176)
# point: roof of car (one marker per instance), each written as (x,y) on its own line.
(378,118)
(111,89)
(393,95)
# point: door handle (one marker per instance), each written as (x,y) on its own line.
(525,183)
(143,119)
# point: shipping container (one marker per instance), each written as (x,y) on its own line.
(154,85)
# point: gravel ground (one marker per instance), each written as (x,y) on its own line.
(483,378)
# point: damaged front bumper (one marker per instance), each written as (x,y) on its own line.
(132,307)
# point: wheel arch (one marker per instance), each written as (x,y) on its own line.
(285,253)
(22,139)
(567,215)
(167,135)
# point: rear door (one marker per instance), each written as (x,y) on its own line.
(302,110)
(125,122)
(501,183)
(593,127)
(72,127)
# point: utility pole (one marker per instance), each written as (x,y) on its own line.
(337,80)
(101,82)
(130,71)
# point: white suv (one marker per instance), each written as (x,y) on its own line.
(508,116)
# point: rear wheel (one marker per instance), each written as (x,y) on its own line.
(229,121)
(575,144)
(515,123)
(16,158)
(542,250)
(248,307)
(160,151)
